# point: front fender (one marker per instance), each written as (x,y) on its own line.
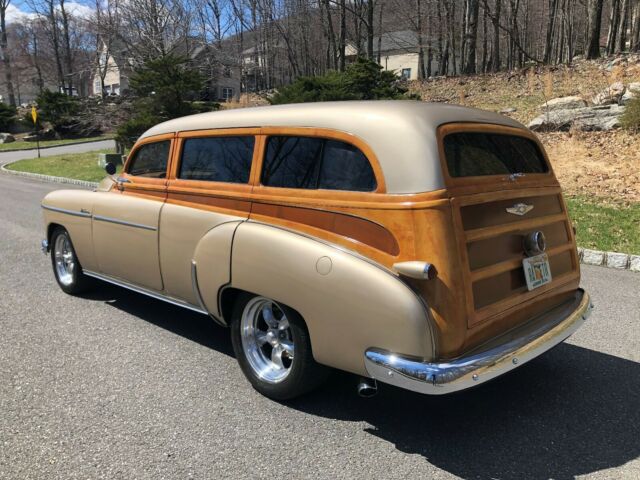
(72,209)
(348,303)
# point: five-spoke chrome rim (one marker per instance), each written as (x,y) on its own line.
(267,340)
(64,260)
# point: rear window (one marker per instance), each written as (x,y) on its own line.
(470,154)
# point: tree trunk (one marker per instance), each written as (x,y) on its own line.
(343,35)
(470,37)
(551,25)
(594,21)
(495,56)
(6,60)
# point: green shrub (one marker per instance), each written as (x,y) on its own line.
(631,116)
(128,132)
(362,80)
(169,84)
(66,114)
(7,116)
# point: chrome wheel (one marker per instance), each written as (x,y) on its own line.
(64,259)
(267,341)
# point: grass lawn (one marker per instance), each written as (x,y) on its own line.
(608,227)
(21,145)
(81,166)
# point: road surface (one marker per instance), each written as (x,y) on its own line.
(119,386)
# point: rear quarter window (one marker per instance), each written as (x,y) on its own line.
(471,154)
(316,163)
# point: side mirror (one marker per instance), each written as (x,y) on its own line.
(110,168)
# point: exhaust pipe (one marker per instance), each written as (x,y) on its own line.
(367,387)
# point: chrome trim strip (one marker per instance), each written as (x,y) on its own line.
(75,213)
(124,222)
(198,295)
(476,368)
(144,291)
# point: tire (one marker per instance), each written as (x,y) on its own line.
(65,264)
(272,346)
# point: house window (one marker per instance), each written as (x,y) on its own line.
(227,93)
(406,74)
(96,88)
(115,89)
(226,72)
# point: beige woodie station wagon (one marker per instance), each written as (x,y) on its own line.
(422,245)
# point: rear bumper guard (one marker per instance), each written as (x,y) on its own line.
(480,366)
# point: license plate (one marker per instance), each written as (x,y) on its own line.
(536,271)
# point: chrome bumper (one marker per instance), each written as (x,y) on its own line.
(518,347)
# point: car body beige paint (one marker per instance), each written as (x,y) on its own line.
(182,229)
(354,306)
(126,251)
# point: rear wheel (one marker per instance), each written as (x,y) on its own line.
(271,343)
(66,267)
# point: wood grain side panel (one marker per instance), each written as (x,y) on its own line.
(356,228)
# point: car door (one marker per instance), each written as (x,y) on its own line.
(126,219)
(209,187)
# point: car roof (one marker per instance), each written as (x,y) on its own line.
(402,133)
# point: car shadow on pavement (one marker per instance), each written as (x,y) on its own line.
(190,325)
(573,411)
(570,412)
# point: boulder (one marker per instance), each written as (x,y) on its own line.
(7,138)
(587,119)
(563,103)
(632,92)
(504,111)
(610,95)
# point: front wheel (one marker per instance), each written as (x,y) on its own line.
(66,267)
(271,343)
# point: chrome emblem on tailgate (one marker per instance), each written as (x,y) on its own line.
(520,209)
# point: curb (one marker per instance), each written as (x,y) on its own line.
(47,178)
(616,260)
(11,150)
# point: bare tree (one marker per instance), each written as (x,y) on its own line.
(6,60)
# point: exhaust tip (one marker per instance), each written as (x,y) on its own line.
(367,387)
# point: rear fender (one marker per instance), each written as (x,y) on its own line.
(348,303)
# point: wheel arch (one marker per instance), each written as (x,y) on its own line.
(348,303)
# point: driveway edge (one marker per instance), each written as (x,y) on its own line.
(13,150)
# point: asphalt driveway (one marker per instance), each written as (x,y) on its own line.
(117,385)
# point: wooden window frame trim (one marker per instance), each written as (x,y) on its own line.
(466,185)
(148,183)
(328,134)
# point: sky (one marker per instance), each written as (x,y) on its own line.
(17,11)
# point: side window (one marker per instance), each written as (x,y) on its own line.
(217,159)
(150,160)
(316,163)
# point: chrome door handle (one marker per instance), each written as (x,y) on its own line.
(123,180)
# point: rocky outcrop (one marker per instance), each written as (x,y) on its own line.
(610,95)
(7,138)
(600,118)
(565,113)
(632,92)
(563,103)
